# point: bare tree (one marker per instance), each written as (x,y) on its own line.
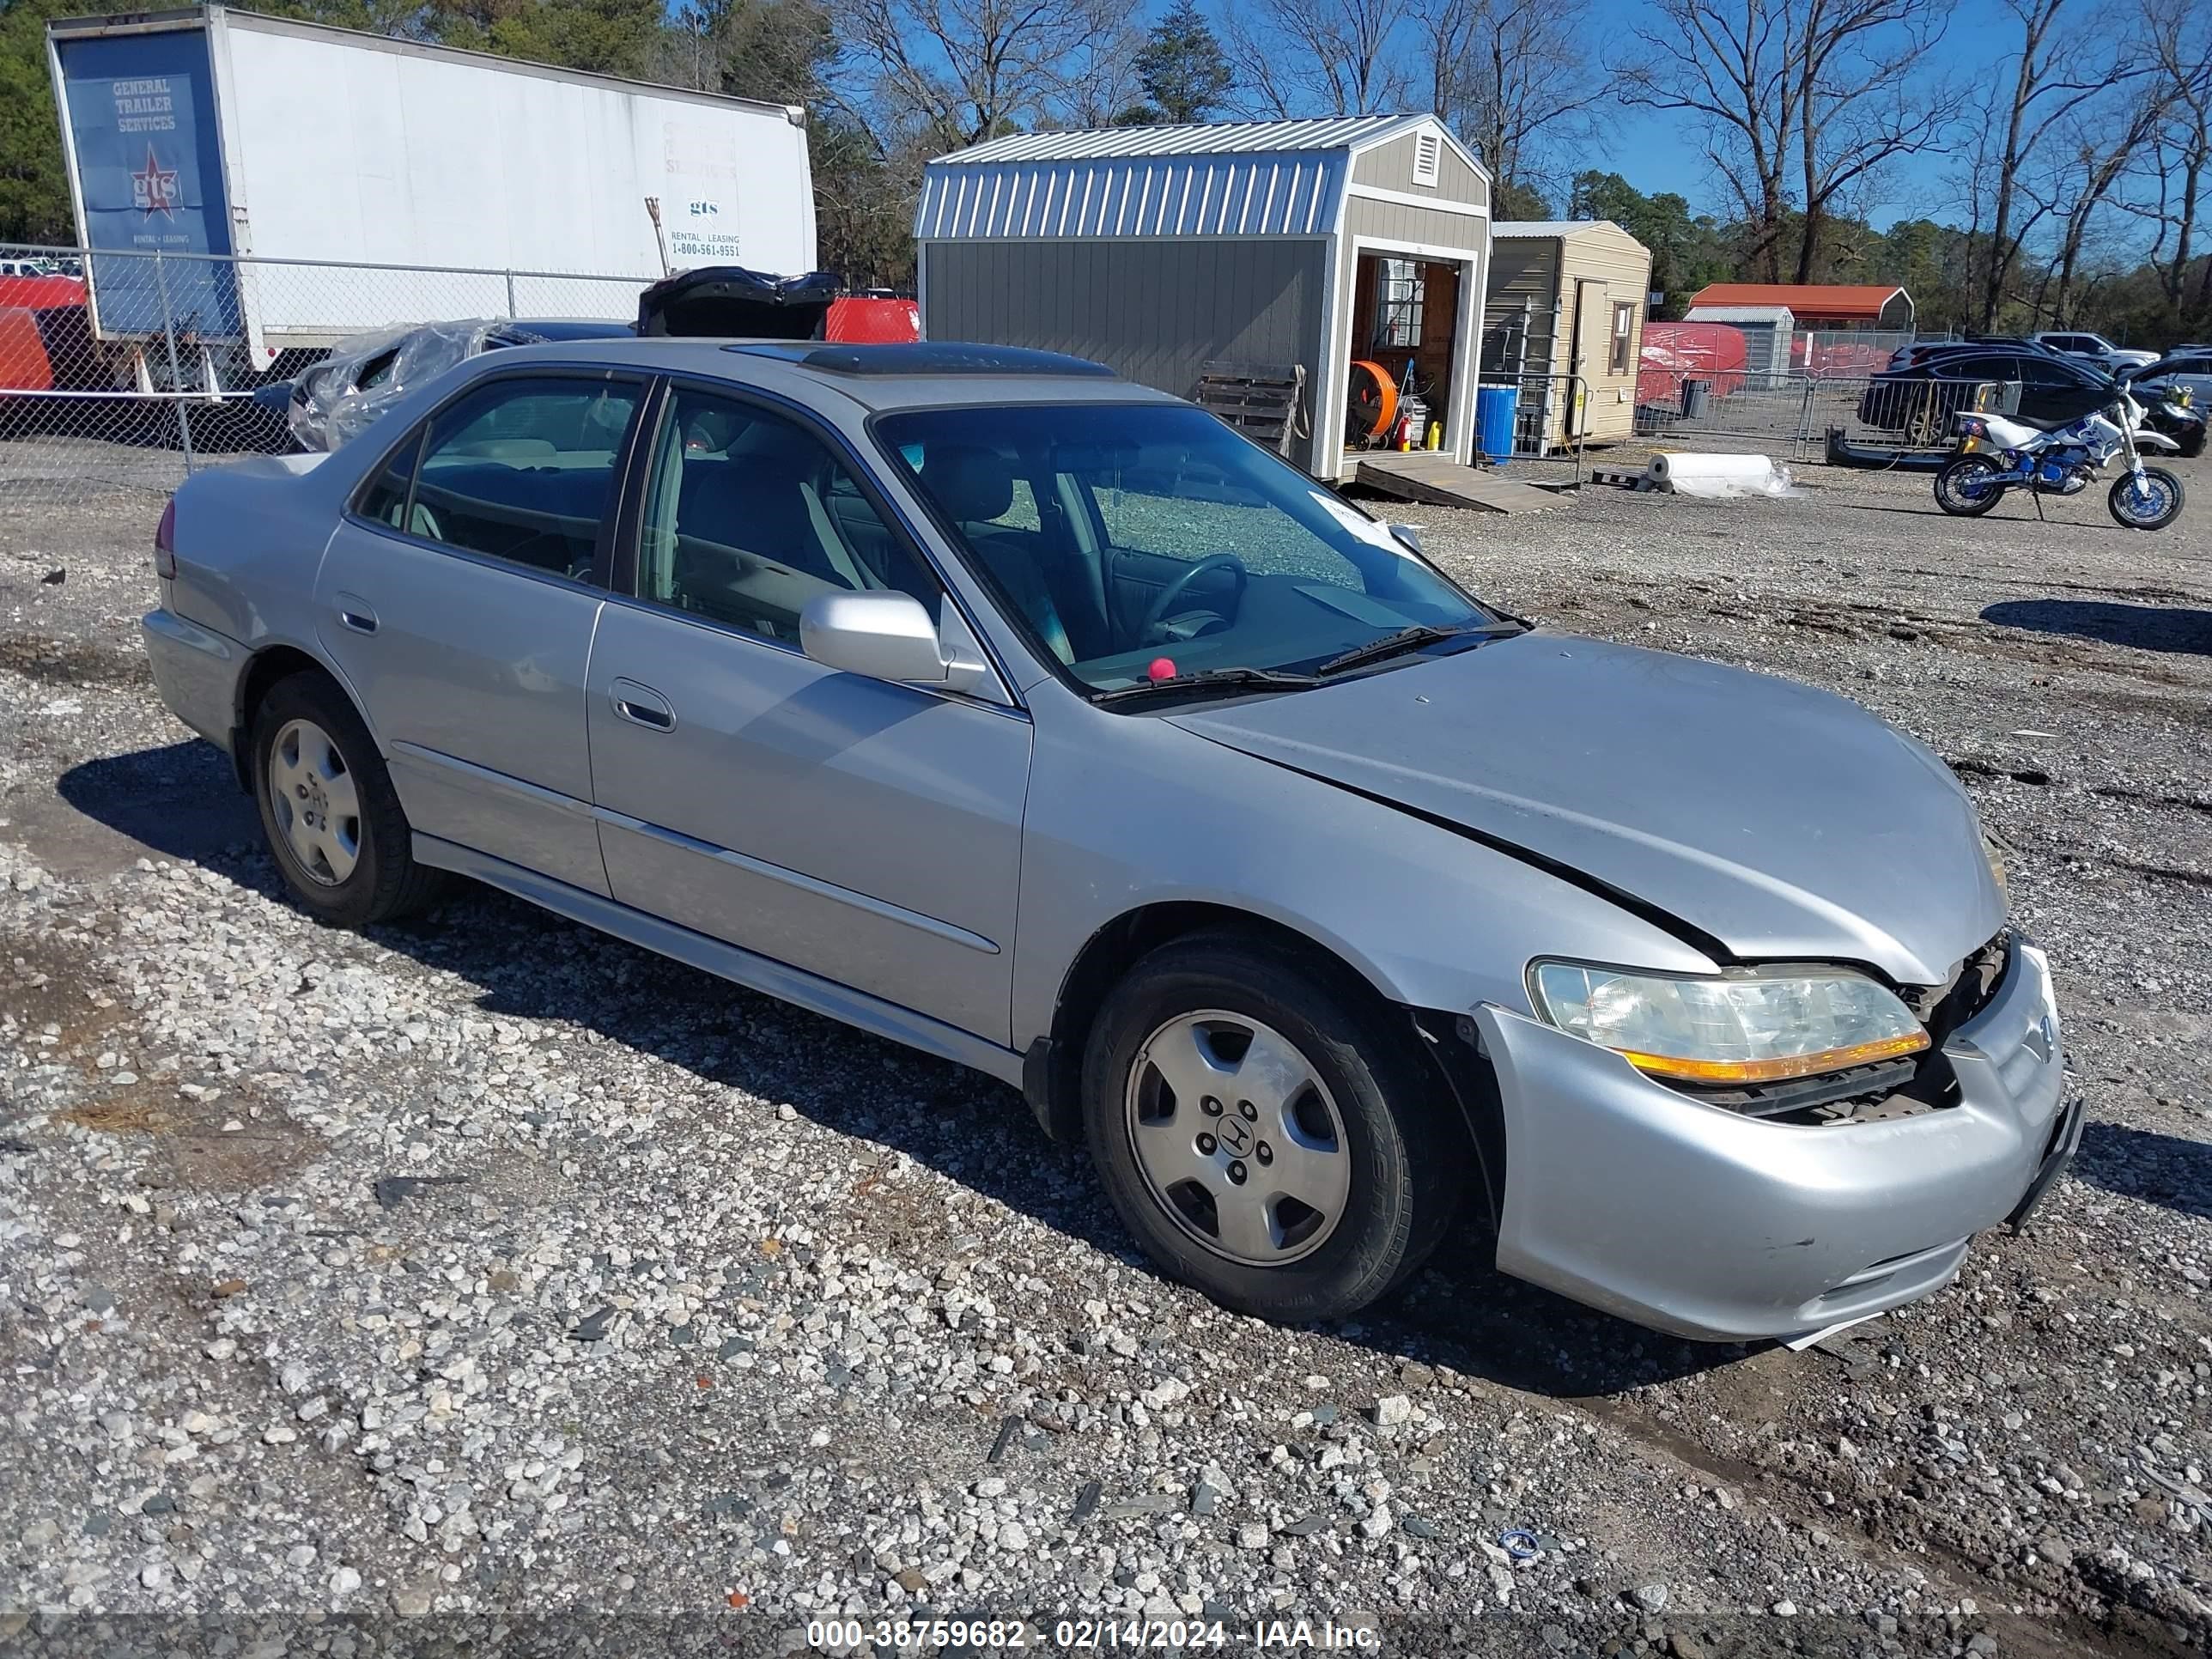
(1513,77)
(956,72)
(1730,67)
(2102,142)
(2180,34)
(1802,102)
(1863,100)
(1105,83)
(776,50)
(1319,57)
(2053,75)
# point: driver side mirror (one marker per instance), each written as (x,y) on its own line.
(886,636)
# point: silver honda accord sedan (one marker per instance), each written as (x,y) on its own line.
(988,702)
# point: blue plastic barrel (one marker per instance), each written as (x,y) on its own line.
(1494,410)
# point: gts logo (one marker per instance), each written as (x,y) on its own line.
(705,210)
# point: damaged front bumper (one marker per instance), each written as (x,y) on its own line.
(1636,1199)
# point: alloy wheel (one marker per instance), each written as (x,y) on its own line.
(1238,1138)
(313,801)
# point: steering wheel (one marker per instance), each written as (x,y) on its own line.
(1150,631)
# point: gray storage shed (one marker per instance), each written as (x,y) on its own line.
(1161,250)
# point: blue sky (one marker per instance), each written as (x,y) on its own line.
(1657,152)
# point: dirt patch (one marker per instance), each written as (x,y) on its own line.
(262,1154)
(72,662)
(193,1149)
(45,982)
(122,1115)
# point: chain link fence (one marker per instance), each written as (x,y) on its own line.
(1804,415)
(121,371)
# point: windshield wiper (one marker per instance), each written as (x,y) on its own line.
(1265,679)
(1412,638)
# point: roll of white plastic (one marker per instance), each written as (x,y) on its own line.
(1699,475)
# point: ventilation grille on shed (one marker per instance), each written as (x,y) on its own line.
(1428,150)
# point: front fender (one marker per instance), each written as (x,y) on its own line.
(1127,812)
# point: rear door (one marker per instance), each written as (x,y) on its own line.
(458,601)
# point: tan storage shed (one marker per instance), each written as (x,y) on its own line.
(1159,251)
(1566,298)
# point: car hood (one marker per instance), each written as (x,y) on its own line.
(1783,823)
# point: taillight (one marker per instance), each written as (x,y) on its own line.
(165,543)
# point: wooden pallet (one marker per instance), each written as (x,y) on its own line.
(1263,401)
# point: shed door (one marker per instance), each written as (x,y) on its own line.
(1586,353)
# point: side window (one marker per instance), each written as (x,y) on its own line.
(386,498)
(519,469)
(748,516)
(2045,372)
(1624,329)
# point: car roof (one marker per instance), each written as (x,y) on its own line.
(565,328)
(873,377)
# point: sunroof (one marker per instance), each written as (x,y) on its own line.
(925,357)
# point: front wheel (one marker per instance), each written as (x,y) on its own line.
(2150,501)
(1265,1131)
(1965,488)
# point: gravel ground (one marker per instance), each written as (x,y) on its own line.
(356,1291)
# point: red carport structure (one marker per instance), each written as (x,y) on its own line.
(1816,305)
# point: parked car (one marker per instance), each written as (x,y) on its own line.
(2077,342)
(328,404)
(1035,720)
(2186,368)
(1918,398)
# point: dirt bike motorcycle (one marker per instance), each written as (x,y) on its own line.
(2000,453)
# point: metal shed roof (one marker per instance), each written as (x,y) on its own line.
(1544,229)
(1221,178)
(1866,300)
(1778,315)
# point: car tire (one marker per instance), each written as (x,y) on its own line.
(328,809)
(1302,1052)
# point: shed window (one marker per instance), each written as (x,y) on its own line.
(1428,153)
(1398,299)
(1624,329)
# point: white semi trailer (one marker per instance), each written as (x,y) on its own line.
(303,183)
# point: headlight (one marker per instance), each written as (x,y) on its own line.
(1751,1027)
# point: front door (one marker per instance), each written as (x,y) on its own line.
(865,831)
(458,601)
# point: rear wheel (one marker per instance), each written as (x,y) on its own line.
(329,810)
(2151,502)
(1964,486)
(1263,1132)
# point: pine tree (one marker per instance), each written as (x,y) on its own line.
(1184,70)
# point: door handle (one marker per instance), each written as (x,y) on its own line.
(355,613)
(641,705)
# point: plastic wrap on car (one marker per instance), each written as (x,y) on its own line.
(330,407)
